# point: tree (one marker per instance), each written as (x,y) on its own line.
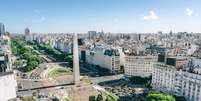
(55,99)
(99,97)
(92,98)
(69,59)
(18,64)
(19,48)
(34,58)
(141,80)
(31,65)
(159,96)
(26,55)
(180,98)
(14,50)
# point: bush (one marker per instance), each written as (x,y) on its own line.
(141,80)
(92,98)
(159,96)
(180,98)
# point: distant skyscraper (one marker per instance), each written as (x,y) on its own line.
(76,68)
(139,37)
(171,32)
(2,29)
(27,31)
(27,34)
(92,34)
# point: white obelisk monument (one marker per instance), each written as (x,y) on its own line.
(76,68)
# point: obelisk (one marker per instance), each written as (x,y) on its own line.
(76,68)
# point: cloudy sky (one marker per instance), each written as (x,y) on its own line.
(109,15)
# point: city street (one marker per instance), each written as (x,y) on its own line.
(100,79)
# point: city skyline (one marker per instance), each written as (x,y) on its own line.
(112,16)
(100,50)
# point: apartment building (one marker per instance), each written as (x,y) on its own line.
(185,81)
(136,65)
(8,83)
(108,58)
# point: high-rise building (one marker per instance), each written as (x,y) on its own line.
(171,33)
(92,34)
(27,31)
(2,29)
(27,34)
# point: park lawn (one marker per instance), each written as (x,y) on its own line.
(27,98)
(86,80)
(56,72)
(68,99)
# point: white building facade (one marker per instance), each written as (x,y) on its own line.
(191,86)
(163,77)
(8,83)
(139,65)
(106,58)
(167,78)
(8,86)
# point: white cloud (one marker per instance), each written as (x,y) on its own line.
(189,12)
(152,16)
(38,17)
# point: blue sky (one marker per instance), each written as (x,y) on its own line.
(109,15)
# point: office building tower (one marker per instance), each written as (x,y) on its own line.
(2,29)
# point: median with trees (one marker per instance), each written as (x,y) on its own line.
(52,52)
(24,52)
